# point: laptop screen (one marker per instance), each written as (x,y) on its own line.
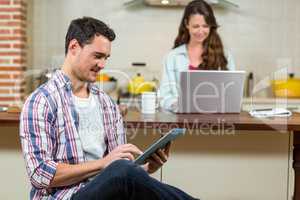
(206,91)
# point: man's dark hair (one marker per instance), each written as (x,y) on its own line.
(84,30)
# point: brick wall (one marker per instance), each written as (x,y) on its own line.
(13,44)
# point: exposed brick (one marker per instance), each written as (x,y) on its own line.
(11,23)
(5,31)
(24,12)
(20,2)
(4,61)
(5,46)
(2,91)
(11,76)
(19,31)
(4,2)
(15,38)
(10,68)
(12,53)
(5,17)
(19,17)
(23,25)
(13,17)
(9,84)
(19,46)
(19,61)
(11,91)
(10,98)
(4,76)
(14,23)
(11,9)
(17,2)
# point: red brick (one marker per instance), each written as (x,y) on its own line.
(19,31)
(10,98)
(5,17)
(4,61)
(4,31)
(11,76)
(5,46)
(14,24)
(4,76)
(13,17)
(22,90)
(12,91)
(4,2)
(23,25)
(24,4)
(19,61)
(5,91)
(24,12)
(15,38)
(9,84)
(10,68)
(19,46)
(11,23)
(17,2)
(20,2)
(12,53)
(19,17)
(11,9)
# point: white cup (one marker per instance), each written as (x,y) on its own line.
(148,102)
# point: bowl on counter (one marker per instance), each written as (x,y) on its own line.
(106,83)
(289,88)
(107,86)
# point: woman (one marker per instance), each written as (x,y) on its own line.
(197,46)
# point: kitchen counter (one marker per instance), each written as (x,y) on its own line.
(9,118)
(247,104)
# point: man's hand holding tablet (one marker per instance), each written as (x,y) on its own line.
(157,154)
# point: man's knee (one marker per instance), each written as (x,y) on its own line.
(125,168)
(122,163)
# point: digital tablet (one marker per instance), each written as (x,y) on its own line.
(159,144)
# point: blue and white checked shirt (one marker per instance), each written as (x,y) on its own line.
(49,134)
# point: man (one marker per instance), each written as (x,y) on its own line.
(72,133)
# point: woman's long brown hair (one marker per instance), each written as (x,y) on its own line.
(213,53)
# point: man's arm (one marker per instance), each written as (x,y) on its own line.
(67,174)
(37,138)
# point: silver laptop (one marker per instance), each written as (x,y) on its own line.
(205,91)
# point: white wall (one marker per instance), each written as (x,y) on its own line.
(14,181)
(258,33)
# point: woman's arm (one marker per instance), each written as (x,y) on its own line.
(168,85)
(230,61)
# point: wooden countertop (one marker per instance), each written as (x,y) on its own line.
(164,119)
(6,117)
(242,121)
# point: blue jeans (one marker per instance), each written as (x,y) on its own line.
(125,180)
